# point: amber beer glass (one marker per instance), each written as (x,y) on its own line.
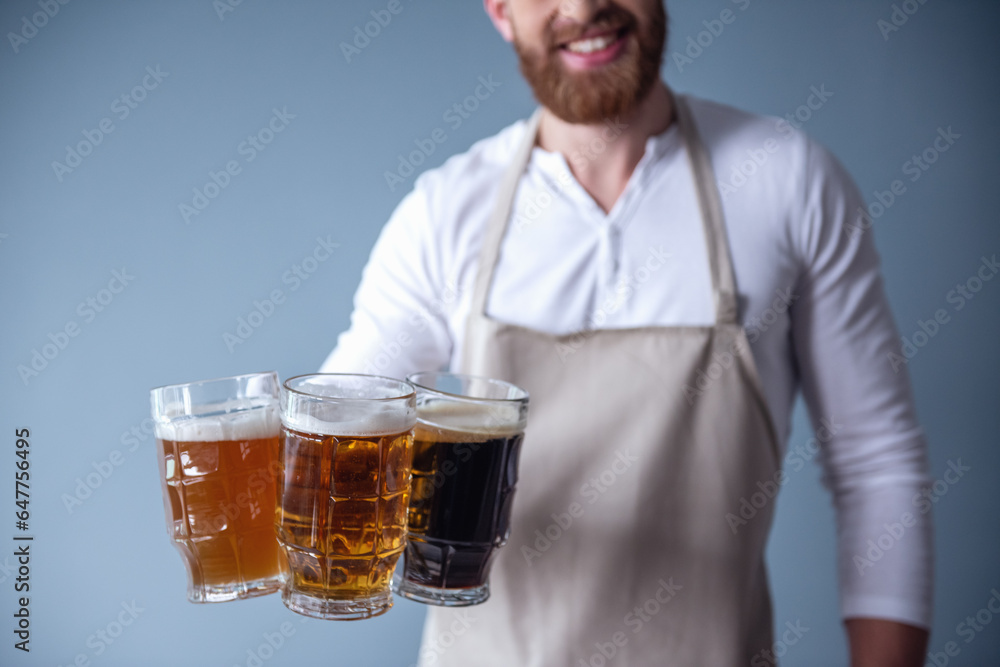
(465,452)
(345,454)
(218,459)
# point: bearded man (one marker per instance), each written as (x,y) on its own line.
(662,326)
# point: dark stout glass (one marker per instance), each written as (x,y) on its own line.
(466,446)
(463,489)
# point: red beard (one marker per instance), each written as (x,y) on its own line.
(616,89)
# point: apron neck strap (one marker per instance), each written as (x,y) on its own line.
(497,225)
(709,203)
(720,264)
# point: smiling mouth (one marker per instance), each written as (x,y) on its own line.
(594,43)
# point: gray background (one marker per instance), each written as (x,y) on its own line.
(323,175)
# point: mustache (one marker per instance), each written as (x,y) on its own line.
(610,19)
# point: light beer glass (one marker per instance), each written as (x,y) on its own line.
(465,452)
(345,456)
(218,457)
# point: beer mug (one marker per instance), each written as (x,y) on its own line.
(218,457)
(465,452)
(345,456)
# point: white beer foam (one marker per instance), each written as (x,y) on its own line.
(358,421)
(497,420)
(245,424)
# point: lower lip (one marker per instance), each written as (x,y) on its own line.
(585,61)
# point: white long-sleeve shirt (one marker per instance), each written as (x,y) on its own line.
(811,299)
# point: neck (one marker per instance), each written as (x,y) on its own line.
(603,156)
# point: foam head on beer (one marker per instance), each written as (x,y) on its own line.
(343,407)
(240,419)
(472,418)
(238,407)
(349,421)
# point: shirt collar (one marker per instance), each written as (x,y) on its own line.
(553,168)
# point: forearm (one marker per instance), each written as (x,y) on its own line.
(881,643)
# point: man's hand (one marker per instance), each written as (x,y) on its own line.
(880,643)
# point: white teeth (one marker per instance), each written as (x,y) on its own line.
(591,45)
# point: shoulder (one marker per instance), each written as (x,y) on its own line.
(450,204)
(441,221)
(467,177)
(744,144)
(776,182)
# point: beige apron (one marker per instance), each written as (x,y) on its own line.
(621,552)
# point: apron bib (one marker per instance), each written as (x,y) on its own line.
(639,444)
